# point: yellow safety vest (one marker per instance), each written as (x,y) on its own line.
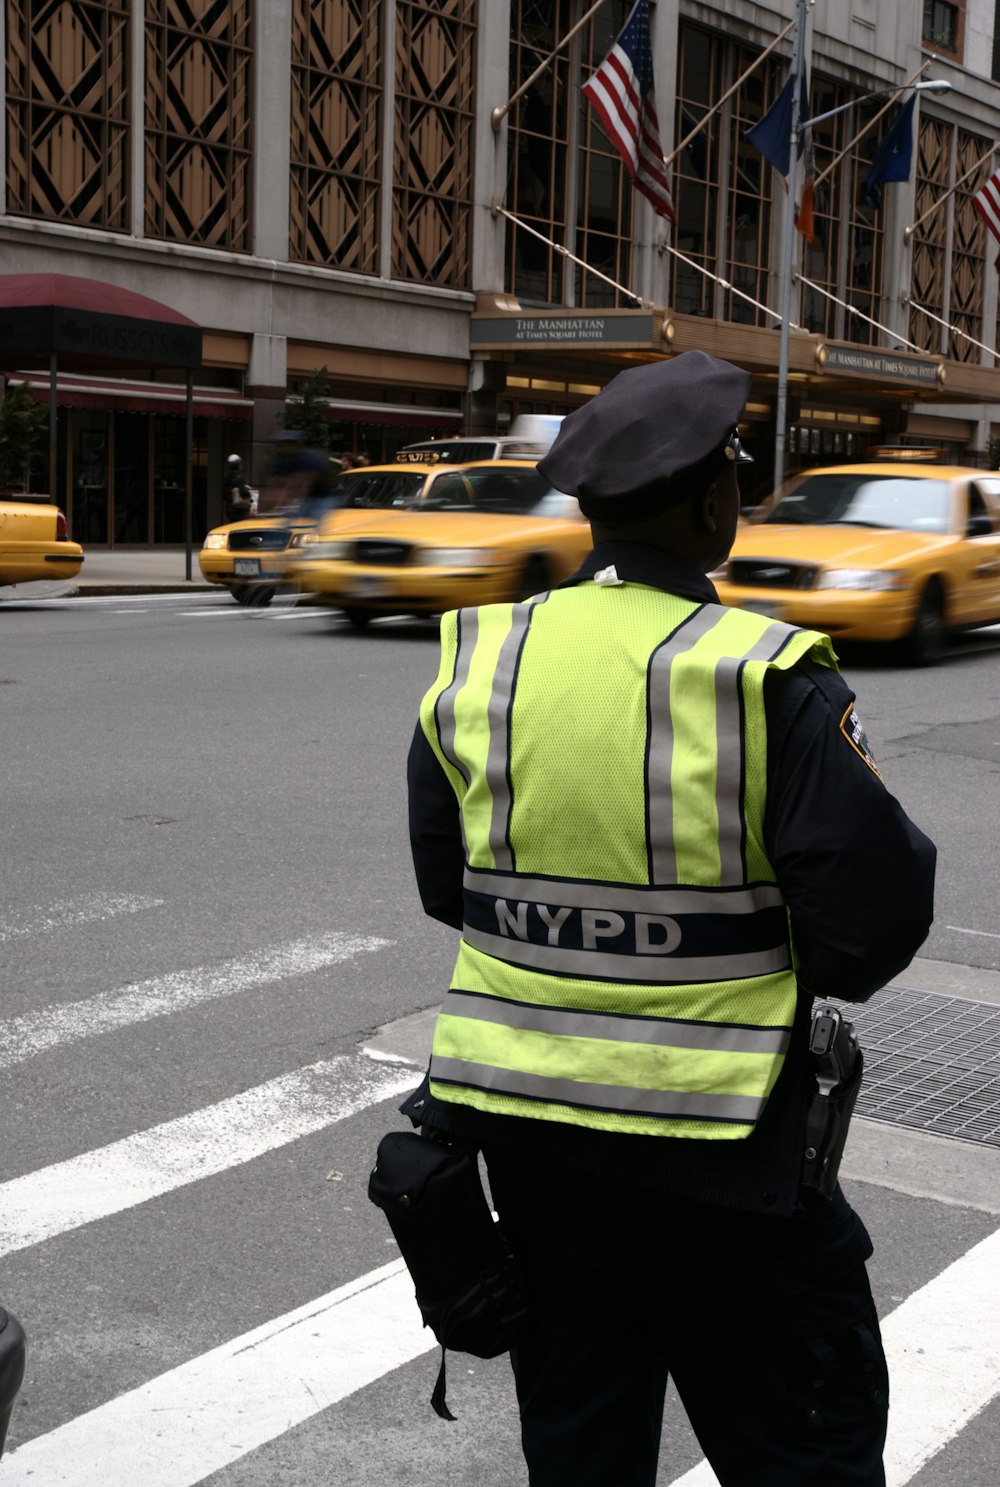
(626,961)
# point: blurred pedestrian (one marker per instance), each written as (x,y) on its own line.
(303,477)
(237,495)
(660,829)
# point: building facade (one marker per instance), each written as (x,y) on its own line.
(340,186)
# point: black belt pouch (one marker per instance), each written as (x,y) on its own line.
(467,1284)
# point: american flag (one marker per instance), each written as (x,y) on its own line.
(621,91)
(987,204)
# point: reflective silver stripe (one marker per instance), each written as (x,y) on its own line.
(667,1104)
(498,751)
(576,894)
(659,1032)
(729,784)
(661,968)
(467,626)
(661,741)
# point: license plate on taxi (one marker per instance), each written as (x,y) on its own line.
(365,586)
(246,567)
(766,607)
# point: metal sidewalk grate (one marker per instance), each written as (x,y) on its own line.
(931,1062)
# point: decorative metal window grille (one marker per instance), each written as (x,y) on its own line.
(67,111)
(199,121)
(434,119)
(605,195)
(537,151)
(336,133)
(930,240)
(968,254)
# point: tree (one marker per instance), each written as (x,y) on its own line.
(308,410)
(23,428)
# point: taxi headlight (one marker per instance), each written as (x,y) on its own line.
(873,580)
(303,539)
(456,557)
(329,552)
(214,541)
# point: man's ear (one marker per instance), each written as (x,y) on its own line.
(707,508)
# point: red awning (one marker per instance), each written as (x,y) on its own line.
(89,324)
(117,395)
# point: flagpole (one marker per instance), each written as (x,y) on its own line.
(798,53)
(503,109)
(871,123)
(669,159)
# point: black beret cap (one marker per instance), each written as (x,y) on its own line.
(655,435)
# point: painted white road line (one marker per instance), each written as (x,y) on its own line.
(174,1431)
(86,910)
(55,1026)
(181,1427)
(943,1347)
(149,1163)
(985,933)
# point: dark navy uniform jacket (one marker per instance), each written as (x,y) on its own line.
(857,877)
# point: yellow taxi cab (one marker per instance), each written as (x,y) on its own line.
(881,552)
(34,542)
(417,539)
(252,557)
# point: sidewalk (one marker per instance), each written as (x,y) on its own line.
(157,570)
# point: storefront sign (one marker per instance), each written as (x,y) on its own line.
(877,364)
(562,330)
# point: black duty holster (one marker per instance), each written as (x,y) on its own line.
(12,1356)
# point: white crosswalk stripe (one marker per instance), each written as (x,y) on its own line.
(189,1149)
(86,910)
(178,1427)
(56,1026)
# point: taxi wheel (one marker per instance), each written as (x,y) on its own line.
(534,579)
(359,619)
(259,595)
(925,642)
(239,592)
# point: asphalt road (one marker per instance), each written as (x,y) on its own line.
(207,918)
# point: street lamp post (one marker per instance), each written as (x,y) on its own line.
(799,126)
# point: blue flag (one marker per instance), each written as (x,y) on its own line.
(894,156)
(772,135)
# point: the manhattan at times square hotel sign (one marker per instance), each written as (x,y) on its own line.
(628,328)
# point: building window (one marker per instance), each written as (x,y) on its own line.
(435,102)
(605,194)
(537,152)
(336,133)
(199,122)
(941,25)
(747,188)
(68,110)
(695,171)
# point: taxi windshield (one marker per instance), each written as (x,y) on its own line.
(898,502)
(514,492)
(380,489)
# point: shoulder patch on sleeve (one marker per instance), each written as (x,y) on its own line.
(853,730)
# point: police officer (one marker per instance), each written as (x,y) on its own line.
(662,833)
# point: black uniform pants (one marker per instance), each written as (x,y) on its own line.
(766,1326)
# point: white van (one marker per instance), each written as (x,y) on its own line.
(531,436)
